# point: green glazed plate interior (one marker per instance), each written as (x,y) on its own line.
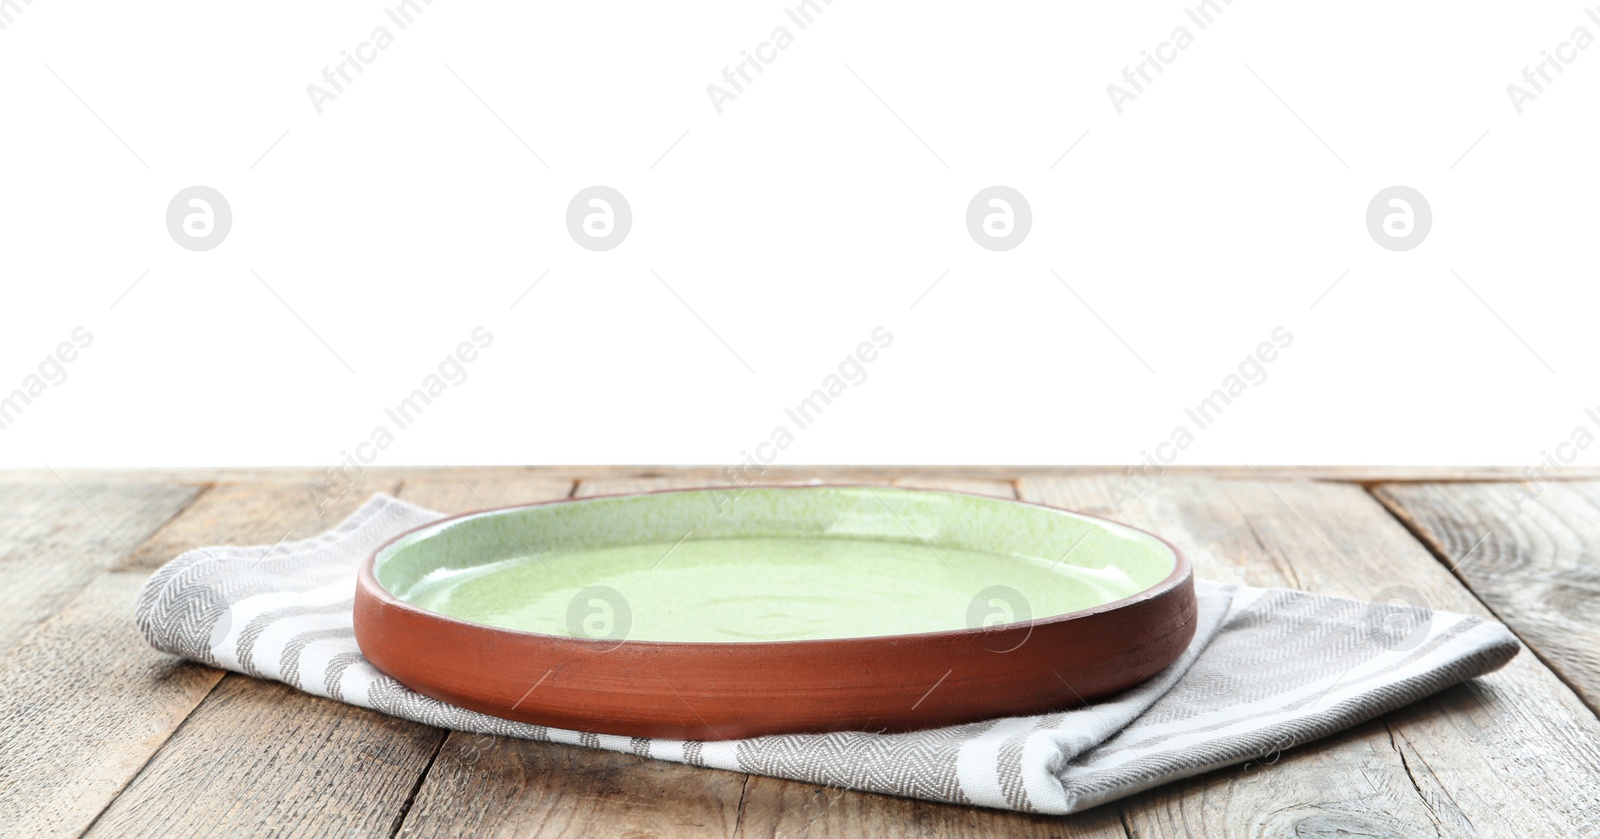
(769,564)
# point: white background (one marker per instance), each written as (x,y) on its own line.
(793,223)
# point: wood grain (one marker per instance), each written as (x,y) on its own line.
(778,808)
(252,514)
(55,538)
(713,473)
(258,756)
(612,486)
(590,487)
(1531,554)
(976,486)
(262,758)
(1478,757)
(84,702)
(464,495)
(497,786)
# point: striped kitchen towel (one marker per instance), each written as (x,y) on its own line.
(1269,669)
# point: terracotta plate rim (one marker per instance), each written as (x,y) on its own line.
(367,581)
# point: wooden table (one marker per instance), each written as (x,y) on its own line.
(103,735)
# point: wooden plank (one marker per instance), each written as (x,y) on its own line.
(55,538)
(714,473)
(497,786)
(84,702)
(775,808)
(590,487)
(1480,758)
(253,514)
(464,495)
(299,475)
(728,491)
(491,786)
(979,486)
(1533,556)
(1475,757)
(976,486)
(612,486)
(258,756)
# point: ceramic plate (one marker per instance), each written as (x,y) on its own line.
(717,613)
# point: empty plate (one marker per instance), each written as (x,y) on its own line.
(724,613)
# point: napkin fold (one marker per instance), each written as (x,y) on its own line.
(1268,669)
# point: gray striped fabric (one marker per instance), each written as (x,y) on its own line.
(1269,669)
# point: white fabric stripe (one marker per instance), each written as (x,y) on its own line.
(316,657)
(668,749)
(242,613)
(563,736)
(357,681)
(978,762)
(1044,788)
(616,742)
(721,754)
(270,644)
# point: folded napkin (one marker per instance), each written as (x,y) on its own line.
(1268,669)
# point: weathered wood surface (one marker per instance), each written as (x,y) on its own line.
(84,703)
(496,786)
(976,486)
(1531,553)
(712,473)
(55,537)
(89,711)
(460,494)
(253,514)
(776,808)
(1478,759)
(258,757)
